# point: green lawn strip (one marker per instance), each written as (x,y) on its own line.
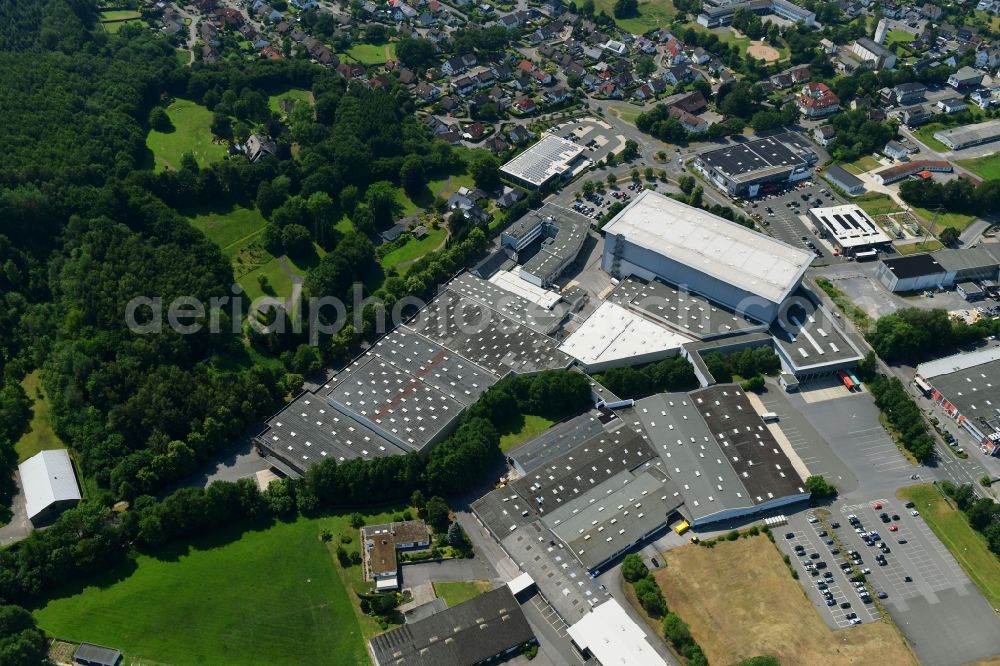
(926,135)
(120,15)
(457,593)
(114,27)
(295,94)
(40,436)
(415,249)
(986,167)
(964,543)
(944,219)
(255,598)
(533,427)
(192,134)
(898,37)
(860,318)
(920,246)
(229,228)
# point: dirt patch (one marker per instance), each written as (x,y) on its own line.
(761,51)
(740,600)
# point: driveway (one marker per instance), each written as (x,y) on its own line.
(19,526)
(448,571)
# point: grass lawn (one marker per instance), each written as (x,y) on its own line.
(877,203)
(40,436)
(863,164)
(625,112)
(898,37)
(921,246)
(279,281)
(740,601)
(652,14)
(986,167)
(401,257)
(295,94)
(533,427)
(267,597)
(445,187)
(192,134)
(115,26)
(942,219)
(120,15)
(456,593)
(230,228)
(964,543)
(926,135)
(371,54)
(344,225)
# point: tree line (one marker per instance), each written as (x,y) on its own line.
(982,513)
(903,415)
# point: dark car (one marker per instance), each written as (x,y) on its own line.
(882,595)
(821,565)
(845,604)
(835,551)
(655,563)
(835,525)
(821,585)
(789,535)
(828,575)
(909,505)
(907,579)
(902,541)
(895,516)
(822,533)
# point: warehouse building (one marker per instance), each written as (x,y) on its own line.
(49,485)
(874,54)
(552,158)
(561,233)
(748,168)
(810,342)
(967,386)
(485,628)
(957,138)
(915,272)
(845,180)
(610,636)
(613,337)
(907,169)
(727,263)
(849,229)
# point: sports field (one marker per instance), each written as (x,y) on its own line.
(192,134)
(230,228)
(271,596)
(40,436)
(964,543)
(740,601)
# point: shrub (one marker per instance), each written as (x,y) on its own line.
(633,568)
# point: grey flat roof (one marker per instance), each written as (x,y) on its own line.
(914,265)
(489,339)
(839,175)
(557,440)
(971,134)
(507,303)
(810,337)
(309,430)
(724,250)
(778,152)
(97,654)
(560,577)
(556,252)
(469,633)
(680,310)
(616,514)
(974,391)
(982,256)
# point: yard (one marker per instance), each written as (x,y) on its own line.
(898,37)
(862,165)
(456,593)
(987,167)
(918,247)
(533,427)
(40,436)
(740,601)
(267,596)
(371,54)
(965,544)
(191,134)
(112,27)
(278,280)
(297,95)
(942,218)
(120,15)
(402,257)
(231,228)
(653,14)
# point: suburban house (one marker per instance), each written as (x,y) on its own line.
(381,542)
(966,77)
(817,100)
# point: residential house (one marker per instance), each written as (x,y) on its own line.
(966,77)
(509,22)
(520,134)
(929,11)
(914,116)
(988,58)
(895,150)
(428,92)
(688,121)
(259,148)
(525,105)
(952,105)
(510,196)
(700,56)
(817,100)
(557,95)
(464,85)
(495,144)
(824,134)
(453,66)
(983,98)
(692,102)
(909,93)
(406,76)
(677,75)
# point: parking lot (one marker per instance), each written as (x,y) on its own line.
(938,592)
(818,539)
(787,219)
(597,136)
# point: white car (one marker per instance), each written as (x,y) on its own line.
(856,620)
(813,519)
(914,513)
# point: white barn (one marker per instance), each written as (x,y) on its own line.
(49,485)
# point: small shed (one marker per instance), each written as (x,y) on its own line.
(89,654)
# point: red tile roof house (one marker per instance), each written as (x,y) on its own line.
(525,105)
(817,100)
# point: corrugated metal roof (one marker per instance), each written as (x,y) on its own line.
(47,478)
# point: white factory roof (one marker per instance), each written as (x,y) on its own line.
(958,362)
(851,226)
(613,638)
(48,477)
(708,243)
(513,283)
(549,157)
(613,333)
